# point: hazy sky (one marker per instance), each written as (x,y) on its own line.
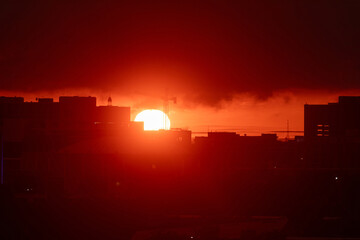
(207,53)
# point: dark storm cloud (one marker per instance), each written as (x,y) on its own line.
(207,50)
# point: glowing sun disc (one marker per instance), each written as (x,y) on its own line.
(153,119)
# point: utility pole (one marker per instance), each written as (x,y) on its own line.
(287,130)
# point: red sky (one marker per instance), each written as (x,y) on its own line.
(231,64)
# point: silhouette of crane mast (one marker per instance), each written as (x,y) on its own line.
(166,108)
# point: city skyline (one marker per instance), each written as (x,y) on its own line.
(246,65)
(211,119)
(175,120)
(93,162)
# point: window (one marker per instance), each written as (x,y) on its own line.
(322,130)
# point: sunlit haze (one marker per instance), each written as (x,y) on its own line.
(153,120)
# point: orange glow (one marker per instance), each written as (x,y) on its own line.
(153,120)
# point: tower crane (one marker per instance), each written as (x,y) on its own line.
(166,108)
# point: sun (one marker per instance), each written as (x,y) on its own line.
(153,120)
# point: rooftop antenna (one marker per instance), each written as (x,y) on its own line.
(109,102)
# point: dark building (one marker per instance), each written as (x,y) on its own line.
(228,152)
(332,134)
(32,134)
(75,148)
(339,120)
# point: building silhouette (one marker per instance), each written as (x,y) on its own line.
(73,147)
(332,133)
(337,120)
(68,153)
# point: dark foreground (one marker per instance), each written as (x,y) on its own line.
(114,219)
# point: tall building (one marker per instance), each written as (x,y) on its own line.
(32,133)
(332,134)
(339,120)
